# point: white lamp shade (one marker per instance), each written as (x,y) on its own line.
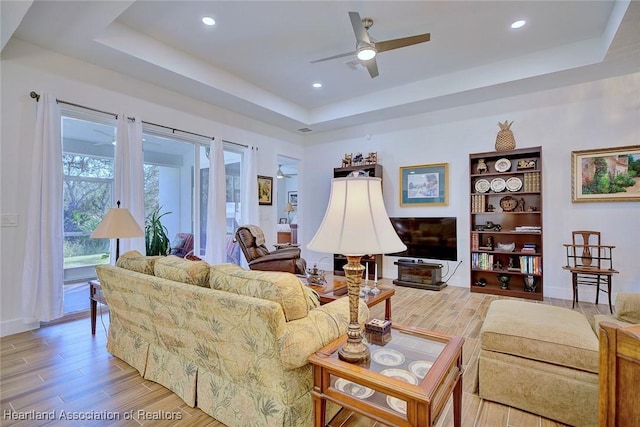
(117,223)
(356,221)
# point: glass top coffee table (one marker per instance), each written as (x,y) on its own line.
(407,382)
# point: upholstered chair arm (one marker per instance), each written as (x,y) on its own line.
(274,256)
(295,252)
(628,307)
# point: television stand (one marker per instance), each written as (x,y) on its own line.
(419,275)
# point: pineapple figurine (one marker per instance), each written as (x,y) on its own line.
(505,140)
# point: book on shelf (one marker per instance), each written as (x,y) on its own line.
(528,228)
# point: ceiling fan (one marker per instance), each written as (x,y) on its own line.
(280,174)
(367,48)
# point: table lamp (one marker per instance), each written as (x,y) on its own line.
(116,224)
(355,224)
(288,209)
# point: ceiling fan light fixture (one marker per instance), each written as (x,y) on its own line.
(279,173)
(366,52)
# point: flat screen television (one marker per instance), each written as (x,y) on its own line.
(433,238)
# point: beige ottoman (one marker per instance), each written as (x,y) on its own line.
(541,359)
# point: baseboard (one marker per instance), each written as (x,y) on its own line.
(16,326)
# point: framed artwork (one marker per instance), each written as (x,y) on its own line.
(606,175)
(293,198)
(283,221)
(265,190)
(424,185)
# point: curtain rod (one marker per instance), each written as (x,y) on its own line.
(36,96)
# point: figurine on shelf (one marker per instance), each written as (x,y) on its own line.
(497,265)
(491,208)
(482,166)
(346,162)
(490,243)
(520,207)
(372,158)
(357,159)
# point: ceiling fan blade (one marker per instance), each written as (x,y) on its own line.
(342,55)
(358,28)
(372,67)
(403,42)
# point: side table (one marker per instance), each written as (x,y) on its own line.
(335,288)
(406,383)
(95,296)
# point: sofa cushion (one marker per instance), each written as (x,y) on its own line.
(540,332)
(628,307)
(282,288)
(183,270)
(135,261)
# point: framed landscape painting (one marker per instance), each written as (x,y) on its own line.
(424,185)
(606,175)
(265,190)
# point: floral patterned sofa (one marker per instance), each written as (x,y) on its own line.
(232,342)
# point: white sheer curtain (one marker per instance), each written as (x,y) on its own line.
(216,248)
(249,180)
(249,195)
(129,177)
(43,268)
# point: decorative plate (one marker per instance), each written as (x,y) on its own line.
(353,389)
(514,184)
(508,203)
(482,186)
(388,357)
(502,165)
(400,374)
(420,368)
(498,184)
(397,404)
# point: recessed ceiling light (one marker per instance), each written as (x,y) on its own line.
(518,24)
(317,85)
(207,20)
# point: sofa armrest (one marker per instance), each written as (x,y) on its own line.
(323,325)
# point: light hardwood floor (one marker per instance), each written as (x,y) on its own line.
(61,367)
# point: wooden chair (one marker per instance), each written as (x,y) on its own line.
(590,263)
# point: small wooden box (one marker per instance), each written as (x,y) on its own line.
(378,326)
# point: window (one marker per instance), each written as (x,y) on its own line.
(176,169)
(88,164)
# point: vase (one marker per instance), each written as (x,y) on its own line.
(529,283)
(504,281)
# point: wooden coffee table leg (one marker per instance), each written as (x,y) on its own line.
(387,309)
(457,404)
(94,310)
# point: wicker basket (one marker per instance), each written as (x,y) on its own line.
(505,140)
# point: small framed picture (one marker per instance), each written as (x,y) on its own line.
(283,220)
(265,190)
(293,198)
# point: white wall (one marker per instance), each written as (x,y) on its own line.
(26,67)
(591,115)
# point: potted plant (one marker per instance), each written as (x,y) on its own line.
(156,240)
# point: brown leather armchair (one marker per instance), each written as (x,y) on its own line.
(252,243)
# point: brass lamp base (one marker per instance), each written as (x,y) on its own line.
(354,350)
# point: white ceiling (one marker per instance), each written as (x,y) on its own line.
(256,59)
